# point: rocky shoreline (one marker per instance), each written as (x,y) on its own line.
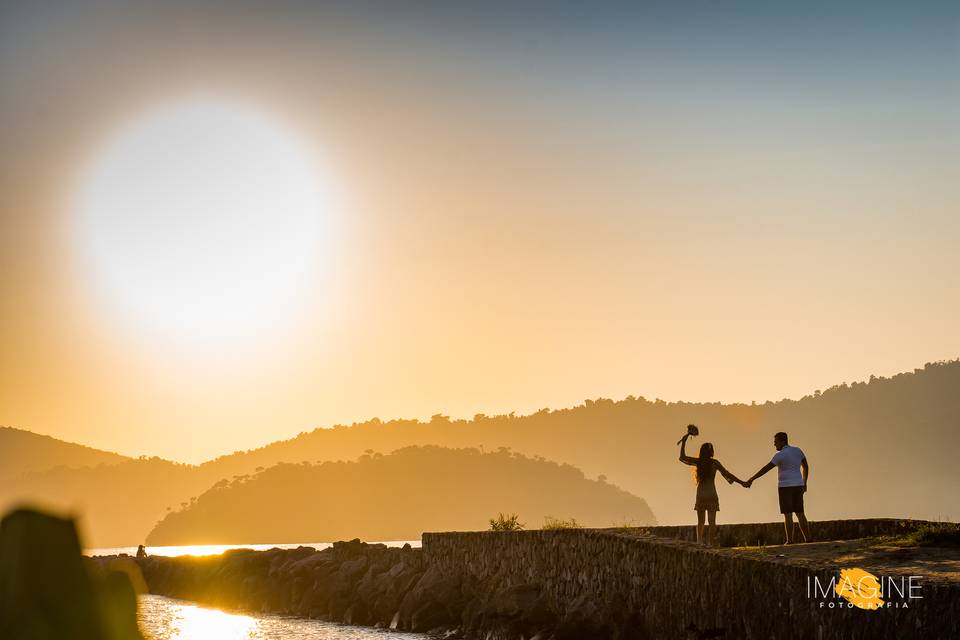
(360,584)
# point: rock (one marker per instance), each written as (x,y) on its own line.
(430,615)
(434,600)
(351,571)
(347,550)
(307,565)
(519,601)
(523,606)
(583,620)
(48,590)
(315,603)
(356,614)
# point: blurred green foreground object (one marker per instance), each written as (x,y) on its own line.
(49,591)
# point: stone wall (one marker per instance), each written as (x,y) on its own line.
(654,587)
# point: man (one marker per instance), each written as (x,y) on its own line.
(793,471)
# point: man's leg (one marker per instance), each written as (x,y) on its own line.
(804,527)
(712,530)
(788,526)
(700,525)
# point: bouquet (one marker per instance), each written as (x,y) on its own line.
(691,431)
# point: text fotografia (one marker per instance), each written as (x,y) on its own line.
(863,590)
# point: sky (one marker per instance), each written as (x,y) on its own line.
(522,208)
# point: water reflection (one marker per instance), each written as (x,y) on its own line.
(169,619)
(216,549)
(194,622)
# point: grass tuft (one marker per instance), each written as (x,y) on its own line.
(506,522)
(551,523)
(931,534)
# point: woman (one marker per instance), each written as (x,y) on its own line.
(708,503)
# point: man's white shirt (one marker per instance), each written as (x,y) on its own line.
(787,461)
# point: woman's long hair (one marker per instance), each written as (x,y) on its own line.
(704,462)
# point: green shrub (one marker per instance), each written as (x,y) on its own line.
(506,523)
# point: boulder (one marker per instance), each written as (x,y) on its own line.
(523,608)
(435,599)
(430,616)
(584,619)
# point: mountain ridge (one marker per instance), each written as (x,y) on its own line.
(875,429)
(24,451)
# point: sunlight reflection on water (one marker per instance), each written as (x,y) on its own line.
(215,549)
(168,619)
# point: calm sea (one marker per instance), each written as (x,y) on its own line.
(169,619)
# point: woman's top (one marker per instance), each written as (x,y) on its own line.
(709,474)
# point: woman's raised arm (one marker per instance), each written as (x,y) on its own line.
(684,458)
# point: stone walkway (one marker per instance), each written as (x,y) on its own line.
(941,564)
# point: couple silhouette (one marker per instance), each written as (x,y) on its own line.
(793,470)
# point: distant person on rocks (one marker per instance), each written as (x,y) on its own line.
(141,552)
(793,471)
(708,502)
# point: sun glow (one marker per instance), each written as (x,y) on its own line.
(204,220)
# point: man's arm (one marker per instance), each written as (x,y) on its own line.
(762,471)
(805,470)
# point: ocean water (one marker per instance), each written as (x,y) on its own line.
(214,549)
(170,619)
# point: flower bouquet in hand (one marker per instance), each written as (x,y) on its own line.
(691,431)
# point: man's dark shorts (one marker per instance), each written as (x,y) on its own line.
(791,499)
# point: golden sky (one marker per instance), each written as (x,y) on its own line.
(532,210)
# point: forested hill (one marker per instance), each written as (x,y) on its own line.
(396,497)
(23,451)
(884,447)
(116,504)
(899,431)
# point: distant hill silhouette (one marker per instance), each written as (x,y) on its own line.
(900,432)
(884,447)
(115,505)
(22,451)
(395,497)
